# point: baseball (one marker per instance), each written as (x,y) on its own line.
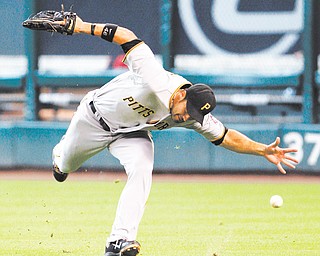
(276,201)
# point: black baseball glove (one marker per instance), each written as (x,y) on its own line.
(52,21)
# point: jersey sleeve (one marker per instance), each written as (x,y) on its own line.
(212,129)
(142,62)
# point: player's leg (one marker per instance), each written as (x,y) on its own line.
(136,154)
(83,139)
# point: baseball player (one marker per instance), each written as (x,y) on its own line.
(120,115)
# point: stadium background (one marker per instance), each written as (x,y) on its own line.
(265,75)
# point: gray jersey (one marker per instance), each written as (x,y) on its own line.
(131,104)
(139,99)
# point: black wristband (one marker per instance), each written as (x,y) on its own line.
(108,32)
(93,27)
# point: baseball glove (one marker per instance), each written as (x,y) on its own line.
(52,21)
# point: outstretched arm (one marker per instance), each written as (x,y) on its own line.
(68,23)
(122,35)
(240,143)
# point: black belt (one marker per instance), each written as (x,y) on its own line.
(101,121)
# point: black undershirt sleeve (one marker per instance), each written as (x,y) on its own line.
(219,141)
(128,45)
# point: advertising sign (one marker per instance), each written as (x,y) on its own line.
(227,27)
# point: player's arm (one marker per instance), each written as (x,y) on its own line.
(138,63)
(240,143)
(68,23)
(113,33)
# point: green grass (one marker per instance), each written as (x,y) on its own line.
(75,218)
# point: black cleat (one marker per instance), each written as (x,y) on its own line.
(58,175)
(122,248)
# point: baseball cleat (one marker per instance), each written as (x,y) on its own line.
(122,248)
(57,174)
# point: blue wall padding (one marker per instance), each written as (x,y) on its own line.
(29,145)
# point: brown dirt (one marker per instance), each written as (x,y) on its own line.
(115,176)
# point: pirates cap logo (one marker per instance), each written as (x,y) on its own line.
(206,106)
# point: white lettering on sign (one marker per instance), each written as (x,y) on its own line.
(313,138)
(296,140)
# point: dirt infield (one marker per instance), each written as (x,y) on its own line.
(116,176)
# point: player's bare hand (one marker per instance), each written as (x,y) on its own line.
(279,156)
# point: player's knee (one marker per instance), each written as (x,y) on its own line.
(140,170)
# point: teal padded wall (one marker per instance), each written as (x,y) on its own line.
(29,145)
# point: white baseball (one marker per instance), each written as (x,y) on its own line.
(276,201)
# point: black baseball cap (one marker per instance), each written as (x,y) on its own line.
(200,101)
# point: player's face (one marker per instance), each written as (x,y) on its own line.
(179,113)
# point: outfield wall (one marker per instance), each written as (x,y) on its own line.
(29,145)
